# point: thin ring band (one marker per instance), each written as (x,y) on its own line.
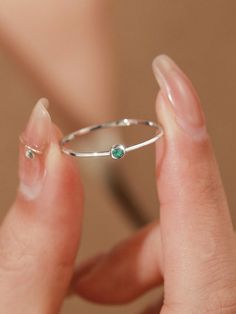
(30,152)
(117,150)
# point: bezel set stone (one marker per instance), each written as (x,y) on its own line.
(29,153)
(117,151)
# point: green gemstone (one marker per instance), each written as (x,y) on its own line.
(117,151)
(29,154)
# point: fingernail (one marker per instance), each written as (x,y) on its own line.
(36,136)
(180,92)
(37,130)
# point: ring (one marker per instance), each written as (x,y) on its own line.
(117,151)
(30,152)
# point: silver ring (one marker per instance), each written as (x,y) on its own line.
(30,152)
(117,151)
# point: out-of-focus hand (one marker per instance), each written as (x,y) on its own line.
(40,234)
(193,248)
(67,51)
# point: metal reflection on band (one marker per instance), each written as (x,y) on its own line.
(30,152)
(117,151)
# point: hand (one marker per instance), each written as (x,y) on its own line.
(79,39)
(39,236)
(192,249)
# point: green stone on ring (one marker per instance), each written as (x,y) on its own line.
(29,154)
(117,151)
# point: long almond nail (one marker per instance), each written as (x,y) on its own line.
(180,92)
(33,148)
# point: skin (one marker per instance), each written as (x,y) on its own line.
(191,250)
(66,49)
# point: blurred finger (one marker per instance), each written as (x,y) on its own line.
(130,269)
(154,308)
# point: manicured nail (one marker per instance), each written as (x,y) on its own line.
(180,93)
(37,130)
(34,142)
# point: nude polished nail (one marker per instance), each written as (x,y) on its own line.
(34,142)
(180,93)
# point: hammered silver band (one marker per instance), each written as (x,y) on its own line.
(117,151)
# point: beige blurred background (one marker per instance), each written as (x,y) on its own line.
(201,37)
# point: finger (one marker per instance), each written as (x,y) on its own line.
(154,308)
(40,234)
(196,227)
(127,271)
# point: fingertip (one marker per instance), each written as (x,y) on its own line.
(182,96)
(56,133)
(63,178)
(166,116)
(45,102)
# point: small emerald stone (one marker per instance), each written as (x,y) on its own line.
(117,151)
(29,154)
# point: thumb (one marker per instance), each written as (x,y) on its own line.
(40,234)
(196,228)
